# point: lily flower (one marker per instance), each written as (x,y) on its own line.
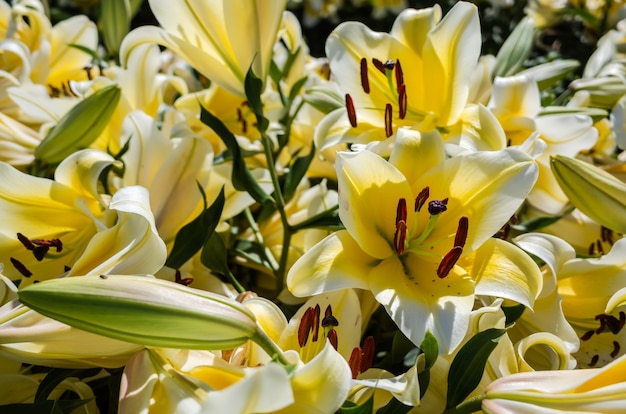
(410,220)
(220,39)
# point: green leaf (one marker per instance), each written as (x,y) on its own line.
(394,407)
(513,313)
(253,86)
(468,365)
(195,234)
(80,127)
(214,254)
(430,349)
(297,87)
(56,376)
(366,408)
(537,223)
(241,178)
(296,172)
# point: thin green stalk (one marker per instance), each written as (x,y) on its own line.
(266,343)
(269,257)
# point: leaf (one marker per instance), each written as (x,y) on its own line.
(468,365)
(195,234)
(296,172)
(241,177)
(430,349)
(513,313)
(253,86)
(214,254)
(366,408)
(394,407)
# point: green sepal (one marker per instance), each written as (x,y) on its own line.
(80,127)
(253,86)
(190,239)
(241,178)
(515,49)
(468,365)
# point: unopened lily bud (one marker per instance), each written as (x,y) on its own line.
(144,310)
(547,74)
(596,193)
(115,17)
(80,126)
(515,49)
(603,92)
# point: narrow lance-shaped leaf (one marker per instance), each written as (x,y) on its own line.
(430,349)
(144,310)
(242,178)
(80,127)
(190,239)
(254,87)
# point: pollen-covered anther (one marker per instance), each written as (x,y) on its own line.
(399,237)
(355,361)
(388,120)
(332,338)
(437,206)
(25,241)
(402,101)
(378,64)
(305,327)
(329,318)
(367,357)
(448,261)
(316,323)
(365,83)
(461,232)
(421,199)
(19,266)
(351,111)
(399,75)
(616,348)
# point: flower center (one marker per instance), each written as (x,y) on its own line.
(361,357)
(608,324)
(435,209)
(309,332)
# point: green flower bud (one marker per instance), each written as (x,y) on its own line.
(144,310)
(114,24)
(516,49)
(549,73)
(594,192)
(80,126)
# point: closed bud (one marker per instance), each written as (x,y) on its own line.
(596,193)
(114,24)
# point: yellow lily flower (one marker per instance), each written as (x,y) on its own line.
(221,39)
(409,259)
(420,70)
(600,390)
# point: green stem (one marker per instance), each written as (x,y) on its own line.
(306,223)
(233,280)
(469,406)
(269,257)
(269,346)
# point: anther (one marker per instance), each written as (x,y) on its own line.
(19,266)
(461,232)
(368,354)
(399,236)
(437,206)
(332,337)
(421,198)
(399,75)
(179,279)
(351,111)
(329,319)
(622,319)
(25,241)
(599,245)
(616,348)
(594,360)
(587,335)
(305,327)
(389,64)
(402,101)
(88,70)
(388,120)
(316,323)
(365,83)
(40,251)
(448,261)
(379,65)
(355,361)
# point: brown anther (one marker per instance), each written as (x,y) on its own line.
(388,120)
(104,277)
(332,337)
(399,236)
(616,348)
(66,268)
(40,251)
(355,362)
(402,101)
(19,266)
(461,232)
(87,69)
(329,318)
(305,327)
(180,280)
(316,323)
(437,206)
(399,75)
(379,65)
(591,248)
(389,64)
(613,323)
(421,198)
(239,115)
(587,335)
(365,82)
(599,246)
(351,111)
(602,326)
(25,241)
(622,319)
(594,360)
(244,126)
(606,235)
(367,356)
(448,261)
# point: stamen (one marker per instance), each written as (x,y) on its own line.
(239,115)
(399,236)
(437,206)
(591,248)
(368,354)
(355,361)
(388,120)
(379,65)
(401,212)
(365,83)
(19,266)
(421,199)
(88,70)
(448,261)
(594,360)
(329,319)
(316,323)
(616,348)
(351,111)
(613,323)
(389,64)
(587,335)
(25,241)
(178,279)
(402,101)
(599,245)
(622,319)
(461,232)
(332,337)
(40,251)
(305,327)
(399,75)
